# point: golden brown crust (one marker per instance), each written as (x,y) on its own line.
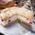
(9,4)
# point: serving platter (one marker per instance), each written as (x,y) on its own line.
(16,29)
